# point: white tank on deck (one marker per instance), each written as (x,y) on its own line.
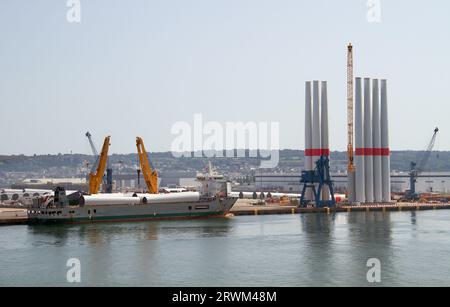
(169,197)
(95,200)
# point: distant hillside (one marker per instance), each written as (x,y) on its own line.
(400,160)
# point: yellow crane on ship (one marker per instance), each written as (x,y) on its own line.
(98,169)
(148,171)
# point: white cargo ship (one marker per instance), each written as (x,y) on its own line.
(211,201)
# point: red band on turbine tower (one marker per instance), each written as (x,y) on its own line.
(372,152)
(364,151)
(325,152)
(385,152)
(377,151)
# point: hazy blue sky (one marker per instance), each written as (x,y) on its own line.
(135,67)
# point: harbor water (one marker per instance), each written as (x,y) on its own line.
(271,250)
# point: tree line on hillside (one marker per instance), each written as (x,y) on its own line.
(400,160)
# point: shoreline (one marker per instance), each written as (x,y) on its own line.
(18,216)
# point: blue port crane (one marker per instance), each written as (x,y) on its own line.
(316,180)
(417,168)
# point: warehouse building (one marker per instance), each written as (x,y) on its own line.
(290,183)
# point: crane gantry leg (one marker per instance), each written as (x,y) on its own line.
(316,180)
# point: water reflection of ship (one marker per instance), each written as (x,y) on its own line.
(96,234)
(102,233)
(208,229)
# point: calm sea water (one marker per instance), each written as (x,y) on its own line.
(281,250)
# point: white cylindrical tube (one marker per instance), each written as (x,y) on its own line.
(93,200)
(368,146)
(308,135)
(110,195)
(385,159)
(377,182)
(324,140)
(360,194)
(351,186)
(169,197)
(316,143)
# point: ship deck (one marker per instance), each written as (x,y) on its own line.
(12,216)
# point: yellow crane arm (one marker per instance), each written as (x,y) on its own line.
(150,175)
(96,179)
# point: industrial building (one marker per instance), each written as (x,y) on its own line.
(165,179)
(290,183)
(76,184)
(120,182)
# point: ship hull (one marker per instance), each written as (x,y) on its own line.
(132,213)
